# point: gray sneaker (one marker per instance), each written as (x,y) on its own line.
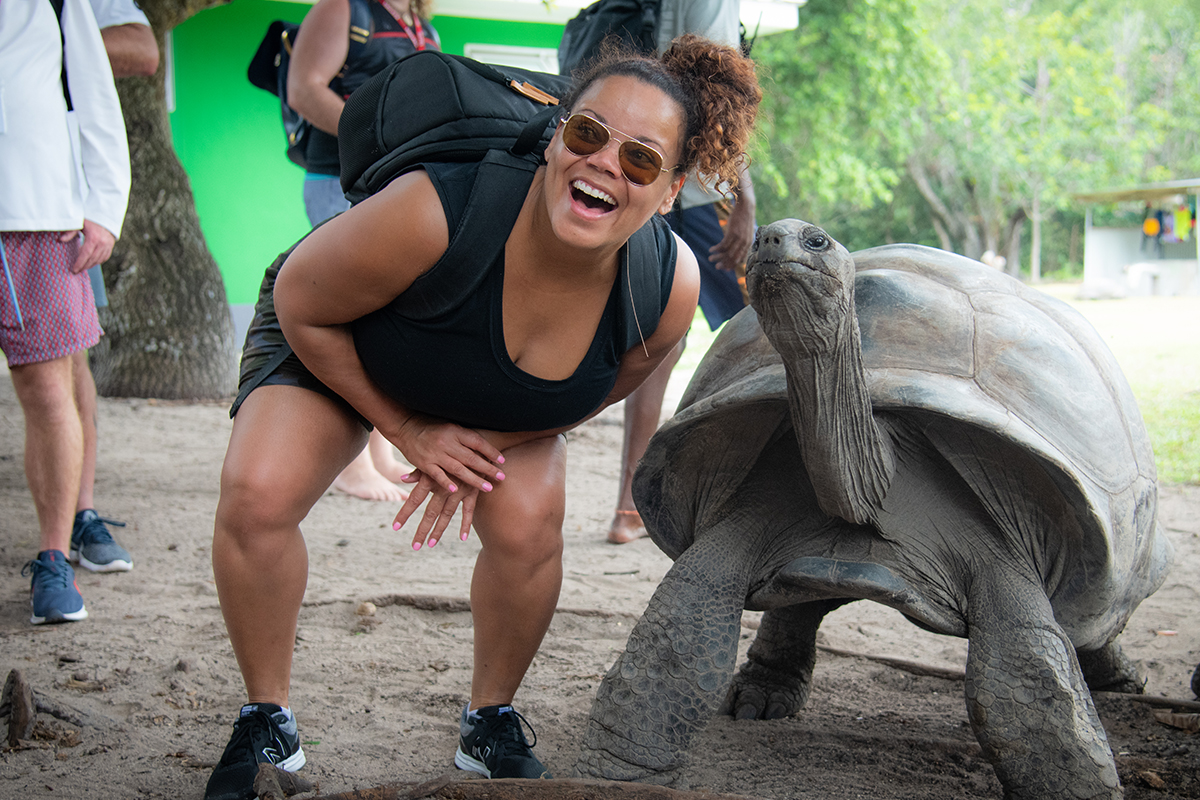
(492,743)
(94,547)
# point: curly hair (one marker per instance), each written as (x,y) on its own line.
(421,8)
(715,85)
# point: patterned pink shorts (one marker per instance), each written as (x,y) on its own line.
(56,307)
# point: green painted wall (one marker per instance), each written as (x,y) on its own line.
(456,32)
(230,140)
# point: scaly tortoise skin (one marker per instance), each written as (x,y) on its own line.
(907,426)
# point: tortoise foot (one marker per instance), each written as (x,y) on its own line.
(1110,670)
(758,692)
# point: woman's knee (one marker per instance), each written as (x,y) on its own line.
(251,504)
(287,446)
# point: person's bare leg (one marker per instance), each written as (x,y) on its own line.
(361,479)
(53,446)
(383,456)
(518,573)
(85,401)
(643,409)
(287,445)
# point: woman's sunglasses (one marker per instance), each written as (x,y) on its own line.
(640,163)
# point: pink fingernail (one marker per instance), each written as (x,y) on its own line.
(499,476)
(406,476)
(416,545)
(432,542)
(487,487)
(500,460)
(453,488)
(395,526)
(463,537)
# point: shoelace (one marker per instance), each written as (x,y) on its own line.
(505,730)
(94,529)
(47,575)
(245,738)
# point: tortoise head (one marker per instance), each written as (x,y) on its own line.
(801,283)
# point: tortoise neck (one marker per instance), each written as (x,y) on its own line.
(848,456)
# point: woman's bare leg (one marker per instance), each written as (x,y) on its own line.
(643,409)
(287,446)
(518,574)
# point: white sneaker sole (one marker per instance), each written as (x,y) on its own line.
(73,616)
(293,762)
(465,762)
(112,566)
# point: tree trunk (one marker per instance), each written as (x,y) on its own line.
(1035,241)
(168,329)
(1015,224)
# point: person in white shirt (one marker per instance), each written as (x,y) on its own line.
(64,187)
(132,50)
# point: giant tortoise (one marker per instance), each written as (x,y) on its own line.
(907,426)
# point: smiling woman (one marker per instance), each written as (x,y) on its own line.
(477,398)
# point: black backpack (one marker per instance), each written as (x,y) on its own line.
(432,106)
(268,71)
(633,22)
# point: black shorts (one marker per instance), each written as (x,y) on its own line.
(264,343)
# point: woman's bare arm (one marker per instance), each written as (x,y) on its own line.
(350,266)
(322,44)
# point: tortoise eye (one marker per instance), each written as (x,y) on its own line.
(816,241)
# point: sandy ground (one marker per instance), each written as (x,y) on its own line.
(151,681)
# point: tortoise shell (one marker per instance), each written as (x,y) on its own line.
(945,334)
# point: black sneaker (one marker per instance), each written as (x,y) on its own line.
(493,744)
(262,734)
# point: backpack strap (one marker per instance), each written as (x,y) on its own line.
(642,300)
(486,222)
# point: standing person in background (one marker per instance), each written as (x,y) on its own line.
(322,75)
(53,188)
(131,49)
(719,249)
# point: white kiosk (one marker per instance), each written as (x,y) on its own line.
(1121,262)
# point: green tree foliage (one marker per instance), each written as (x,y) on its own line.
(840,97)
(1035,111)
(969,124)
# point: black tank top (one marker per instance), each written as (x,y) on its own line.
(456,366)
(386,44)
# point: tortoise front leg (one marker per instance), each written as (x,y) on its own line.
(776,679)
(665,686)
(1026,698)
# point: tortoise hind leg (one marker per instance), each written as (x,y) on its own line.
(1026,697)
(1108,669)
(776,679)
